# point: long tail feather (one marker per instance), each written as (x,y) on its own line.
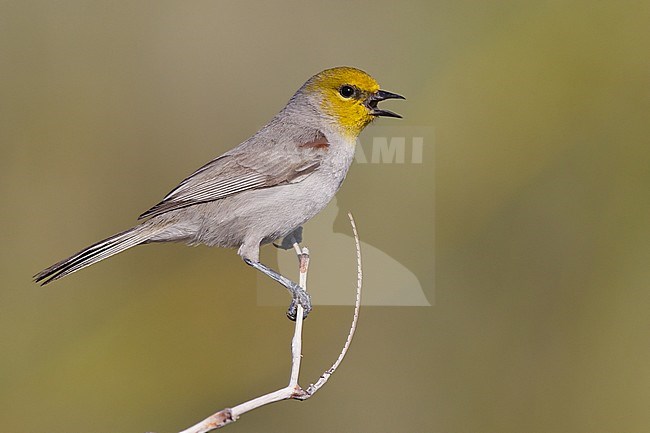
(95,253)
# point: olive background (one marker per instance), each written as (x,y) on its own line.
(526,223)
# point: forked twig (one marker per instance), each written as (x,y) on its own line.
(293,389)
(311,389)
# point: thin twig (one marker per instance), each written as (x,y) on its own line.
(311,389)
(296,342)
(292,390)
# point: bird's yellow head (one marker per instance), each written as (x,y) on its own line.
(349,96)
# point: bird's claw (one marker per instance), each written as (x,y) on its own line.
(302,298)
(299,294)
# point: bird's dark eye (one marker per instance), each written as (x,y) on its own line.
(346,91)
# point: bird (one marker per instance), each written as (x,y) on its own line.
(265,188)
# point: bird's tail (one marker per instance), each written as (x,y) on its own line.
(97,252)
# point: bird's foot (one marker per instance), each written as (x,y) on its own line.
(302,298)
(298,294)
(288,242)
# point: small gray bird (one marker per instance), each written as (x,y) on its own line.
(265,188)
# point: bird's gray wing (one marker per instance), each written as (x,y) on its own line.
(240,170)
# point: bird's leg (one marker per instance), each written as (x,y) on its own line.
(298,294)
(290,240)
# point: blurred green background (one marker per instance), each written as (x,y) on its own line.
(540,284)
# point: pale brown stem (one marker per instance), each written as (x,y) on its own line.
(292,390)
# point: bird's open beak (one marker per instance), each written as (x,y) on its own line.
(379,96)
